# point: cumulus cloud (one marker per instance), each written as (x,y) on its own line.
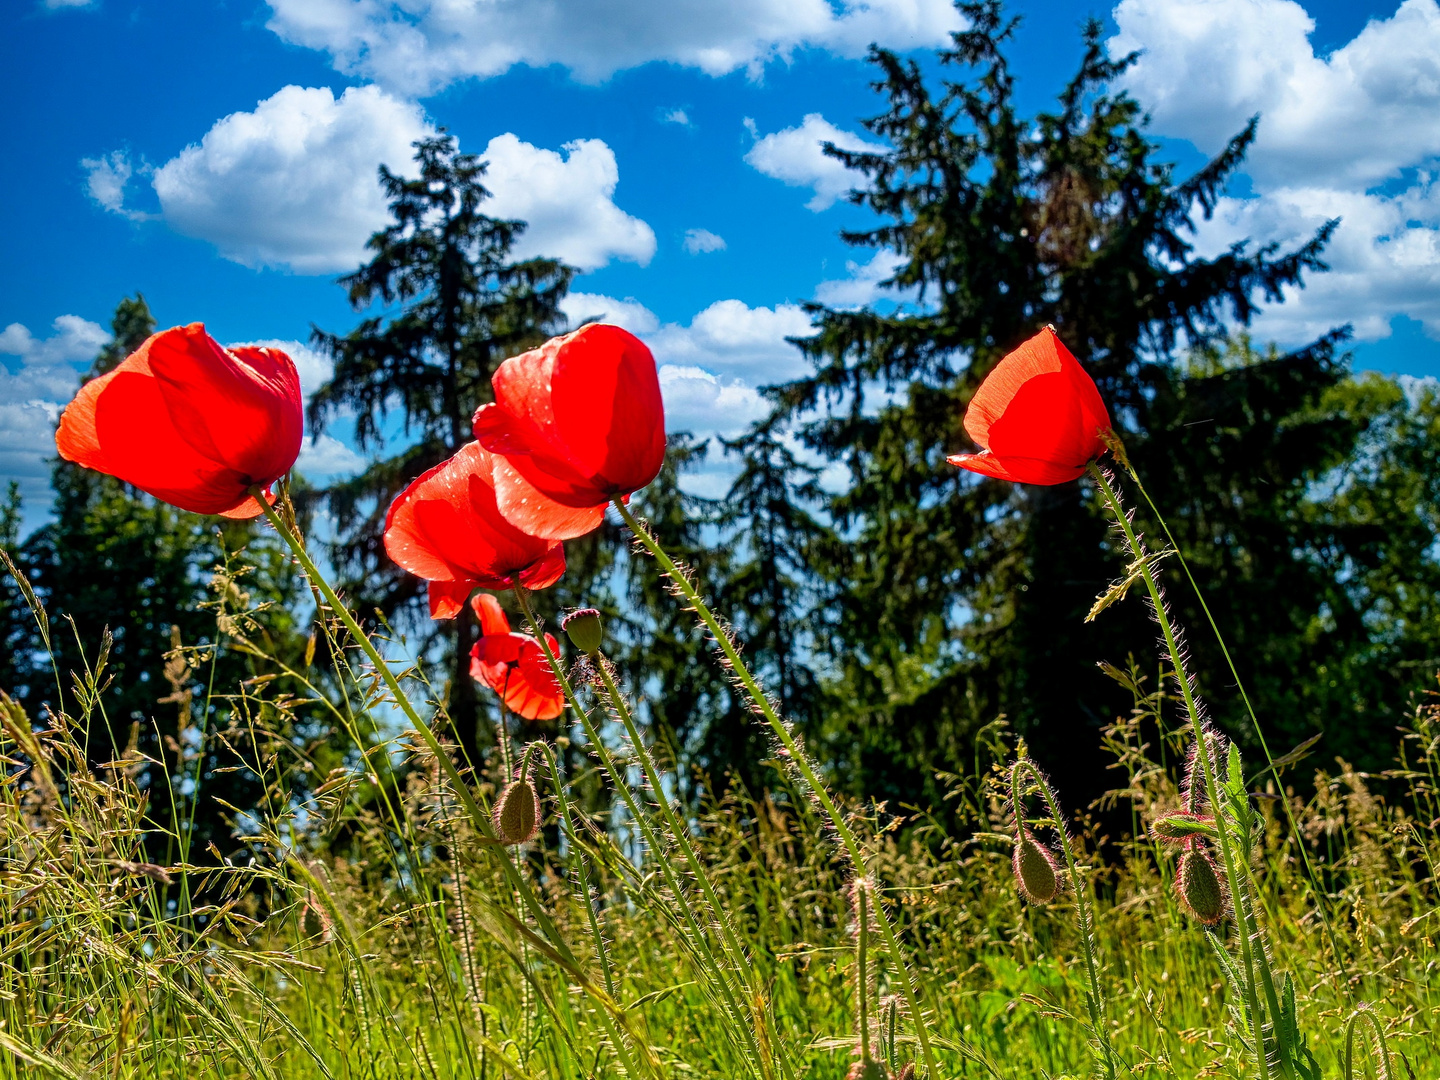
(582,307)
(33,388)
(675,116)
(419,46)
(61,5)
(567,198)
(293,184)
(698,241)
(1355,135)
(862,283)
(796,155)
(324,457)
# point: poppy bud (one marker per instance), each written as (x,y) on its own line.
(1198,886)
(1178,827)
(517,813)
(907,1072)
(1035,871)
(584,629)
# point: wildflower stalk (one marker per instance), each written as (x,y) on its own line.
(1094,1001)
(862,985)
(791,743)
(642,822)
(1207,768)
(1380,1051)
(480,820)
(1321,901)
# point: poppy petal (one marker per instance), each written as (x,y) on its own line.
(447,598)
(493,620)
(533,512)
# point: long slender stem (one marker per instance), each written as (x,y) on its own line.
(1322,900)
(642,823)
(480,820)
(1202,752)
(798,756)
(1095,1002)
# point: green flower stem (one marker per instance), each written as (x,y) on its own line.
(1095,1002)
(737,1015)
(477,817)
(1202,752)
(792,745)
(583,872)
(1321,900)
(1381,1052)
(862,981)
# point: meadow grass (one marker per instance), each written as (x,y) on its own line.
(378,928)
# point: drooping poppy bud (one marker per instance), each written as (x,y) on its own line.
(584,629)
(1037,416)
(190,422)
(514,665)
(1197,884)
(517,813)
(1036,874)
(1181,827)
(579,421)
(445,527)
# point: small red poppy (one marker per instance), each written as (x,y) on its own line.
(190,422)
(579,422)
(445,528)
(514,665)
(1037,416)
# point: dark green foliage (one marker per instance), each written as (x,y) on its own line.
(949,599)
(117,561)
(456,307)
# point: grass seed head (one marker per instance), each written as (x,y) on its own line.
(1036,875)
(517,813)
(1198,885)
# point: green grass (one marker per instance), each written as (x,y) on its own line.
(380,932)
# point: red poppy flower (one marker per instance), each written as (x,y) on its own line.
(445,528)
(1037,416)
(579,422)
(514,665)
(189,421)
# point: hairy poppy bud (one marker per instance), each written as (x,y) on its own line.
(584,629)
(908,1071)
(517,813)
(867,1070)
(1178,827)
(1034,869)
(1198,886)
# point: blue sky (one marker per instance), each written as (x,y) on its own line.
(220,157)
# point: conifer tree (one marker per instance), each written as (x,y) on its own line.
(462,306)
(956,599)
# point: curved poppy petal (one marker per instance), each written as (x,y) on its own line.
(493,620)
(447,526)
(447,598)
(533,512)
(1017,470)
(537,693)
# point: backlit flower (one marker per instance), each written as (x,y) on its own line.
(579,421)
(1037,416)
(514,665)
(446,528)
(190,422)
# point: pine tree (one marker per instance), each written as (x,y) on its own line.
(463,307)
(955,599)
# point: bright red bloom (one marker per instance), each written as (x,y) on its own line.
(1037,416)
(514,665)
(579,422)
(189,421)
(446,528)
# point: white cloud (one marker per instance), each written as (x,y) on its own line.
(1359,116)
(676,116)
(698,241)
(591,307)
(419,46)
(46,376)
(293,184)
(702,404)
(324,457)
(735,341)
(1354,135)
(567,200)
(797,156)
(61,5)
(862,284)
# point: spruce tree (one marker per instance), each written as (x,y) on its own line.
(955,599)
(413,377)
